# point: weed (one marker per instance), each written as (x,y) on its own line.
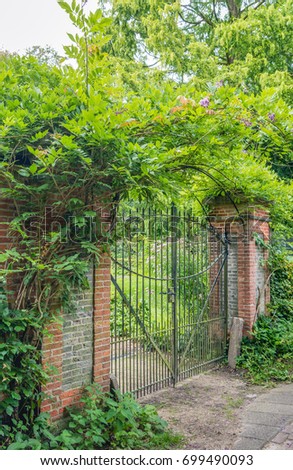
(231,405)
(102,423)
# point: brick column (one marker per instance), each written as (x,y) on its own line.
(52,350)
(102,296)
(7,241)
(7,213)
(79,351)
(101,372)
(76,350)
(247,273)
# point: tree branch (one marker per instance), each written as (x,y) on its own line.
(196,23)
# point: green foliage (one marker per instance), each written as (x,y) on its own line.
(45,55)
(282,287)
(22,373)
(105,423)
(234,40)
(268,354)
(101,423)
(25,436)
(241,44)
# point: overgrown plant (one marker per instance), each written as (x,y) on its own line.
(104,422)
(268,354)
(22,374)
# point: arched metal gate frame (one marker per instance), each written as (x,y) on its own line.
(169,298)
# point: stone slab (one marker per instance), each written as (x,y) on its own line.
(249,443)
(259,431)
(289,429)
(273,446)
(268,419)
(235,341)
(275,408)
(282,398)
(282,388)
(280,438)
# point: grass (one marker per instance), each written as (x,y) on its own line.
(169,441)
(231,405)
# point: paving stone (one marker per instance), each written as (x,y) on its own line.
(273,446)
(276,408)
(289,429)
(259,431)
(248,443)
(280,438)
(282,398)
(284,388)
(268,419)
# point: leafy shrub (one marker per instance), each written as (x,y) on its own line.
(21,371)
(102,423)
(282,288)
(24,436)
(268,354)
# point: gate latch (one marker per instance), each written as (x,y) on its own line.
(171,295)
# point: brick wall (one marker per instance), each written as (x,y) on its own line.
(101,369)
(77,336)
(7,211)
(7,241)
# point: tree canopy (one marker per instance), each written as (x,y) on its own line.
(112,128)
(240,41)
(138,129)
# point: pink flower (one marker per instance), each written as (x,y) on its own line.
(272,117)
(205,102)
(220,84)
(246,122)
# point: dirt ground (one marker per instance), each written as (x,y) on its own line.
(206,409)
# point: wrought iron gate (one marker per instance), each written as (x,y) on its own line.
(169,298)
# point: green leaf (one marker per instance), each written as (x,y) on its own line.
(24,172)
(39,136)
(33,168)
(9,410)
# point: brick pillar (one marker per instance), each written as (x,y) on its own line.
(247,272)
(52,350)
(102,295)
(79,347)
(76,350)
(7,213)
(7,241)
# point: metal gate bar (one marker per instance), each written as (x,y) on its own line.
(169,298)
